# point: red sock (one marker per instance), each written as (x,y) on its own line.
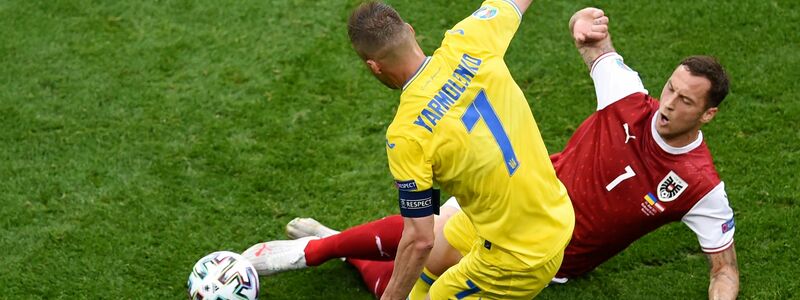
(376,274)
(376,240)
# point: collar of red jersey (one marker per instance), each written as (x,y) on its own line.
(670,149)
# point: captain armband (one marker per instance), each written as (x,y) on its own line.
(419,204)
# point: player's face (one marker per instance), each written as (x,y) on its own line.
(682,110)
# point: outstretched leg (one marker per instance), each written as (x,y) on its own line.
(376,240)
(370,247)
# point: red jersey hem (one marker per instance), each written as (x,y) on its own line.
(599,58)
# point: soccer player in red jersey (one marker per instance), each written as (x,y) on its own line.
(631,167)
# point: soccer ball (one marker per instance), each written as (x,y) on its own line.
(223,275)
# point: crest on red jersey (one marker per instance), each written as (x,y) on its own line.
(671,187)
(622,64)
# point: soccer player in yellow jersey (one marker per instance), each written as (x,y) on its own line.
(463,124)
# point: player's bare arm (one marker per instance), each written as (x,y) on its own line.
(413,251)
(724,275)
(589,28)
(523,5)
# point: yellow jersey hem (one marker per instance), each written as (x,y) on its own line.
(516,8)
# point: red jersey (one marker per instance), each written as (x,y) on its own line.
(626,181)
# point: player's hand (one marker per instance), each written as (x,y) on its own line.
(589,25)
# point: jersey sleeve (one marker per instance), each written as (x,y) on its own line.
(613,80)
(490,28)
(413,175)
(712,220)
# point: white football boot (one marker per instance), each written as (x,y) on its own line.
(303,227)
(557,280)
(278,256)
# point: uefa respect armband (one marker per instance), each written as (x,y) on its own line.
(419,204)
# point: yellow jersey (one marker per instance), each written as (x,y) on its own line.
(463,124)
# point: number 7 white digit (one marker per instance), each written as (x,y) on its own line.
(628,174)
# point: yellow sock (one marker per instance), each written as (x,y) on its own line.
(423,285)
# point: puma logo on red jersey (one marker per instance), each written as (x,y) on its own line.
(628,136)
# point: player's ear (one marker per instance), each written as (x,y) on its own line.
(374,66)
(708,115)
(413,33)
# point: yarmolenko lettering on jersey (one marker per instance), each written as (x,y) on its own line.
(450,92)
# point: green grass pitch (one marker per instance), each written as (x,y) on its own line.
(138,136)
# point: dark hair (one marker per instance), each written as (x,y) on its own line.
(711,69)
(373,26)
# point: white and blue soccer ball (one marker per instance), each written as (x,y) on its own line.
(223,275)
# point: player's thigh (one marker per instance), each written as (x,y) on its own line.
(455,239)
(543,275)
(455,283)
(460,233)
(487,273)
(446,212)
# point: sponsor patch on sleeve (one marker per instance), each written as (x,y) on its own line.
(727,226)
(406,186)
(486,12)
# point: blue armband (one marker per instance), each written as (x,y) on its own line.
(419,204)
